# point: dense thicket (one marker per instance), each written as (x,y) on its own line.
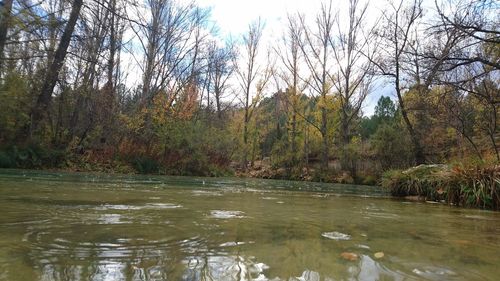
(149,86)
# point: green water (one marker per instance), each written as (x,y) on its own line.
(87,227)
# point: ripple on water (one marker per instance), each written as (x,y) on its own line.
(224,268)
(435,273)
(149,206)
(221,214)
(338,236)
(206,193)
(48,246)
(233,244)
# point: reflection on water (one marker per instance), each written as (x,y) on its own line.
(79,227)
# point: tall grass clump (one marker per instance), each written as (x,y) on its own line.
(477,186)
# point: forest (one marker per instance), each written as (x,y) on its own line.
(199,103)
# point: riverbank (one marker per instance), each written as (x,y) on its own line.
(476,186)
(103,161)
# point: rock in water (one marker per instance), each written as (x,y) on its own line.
(349,256)
(379,255)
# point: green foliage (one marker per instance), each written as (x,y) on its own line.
(369,180)
(391,146)
(15,103)
(145,165)
(385,110)
(385,113)
(31,156)
(6,161)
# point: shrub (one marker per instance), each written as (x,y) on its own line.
(6,161)
(369,180)
(31,156)
(145,165)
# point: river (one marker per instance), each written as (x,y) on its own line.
(69,226)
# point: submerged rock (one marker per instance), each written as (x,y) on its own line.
(349,256)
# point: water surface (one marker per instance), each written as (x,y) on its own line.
(60,226)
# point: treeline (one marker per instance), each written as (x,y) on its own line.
(150,86)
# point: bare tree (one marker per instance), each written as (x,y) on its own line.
(219,70)
(316,50)
(250,74)
(398,23)
(353,74)
(461,116)
(471,63)
(290,56)
(169,38)
(479,21)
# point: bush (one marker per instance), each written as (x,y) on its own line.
(145,165)
(369,180)
(6,161)
(31,157)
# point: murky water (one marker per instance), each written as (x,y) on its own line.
(87,227)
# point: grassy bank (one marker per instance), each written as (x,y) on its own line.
(477,186)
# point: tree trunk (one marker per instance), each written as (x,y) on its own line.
(5,11)
(324,135)
(45,96)
(345,139)
(245,136)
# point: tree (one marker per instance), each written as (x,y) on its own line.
(385,109)
(475,20)
(45,95)
(385,113)
(389,147)
(5,21)
(290,56)
(248,76)
(316,50)
(220,69)
(352,77)
(170,39)
(398,23)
